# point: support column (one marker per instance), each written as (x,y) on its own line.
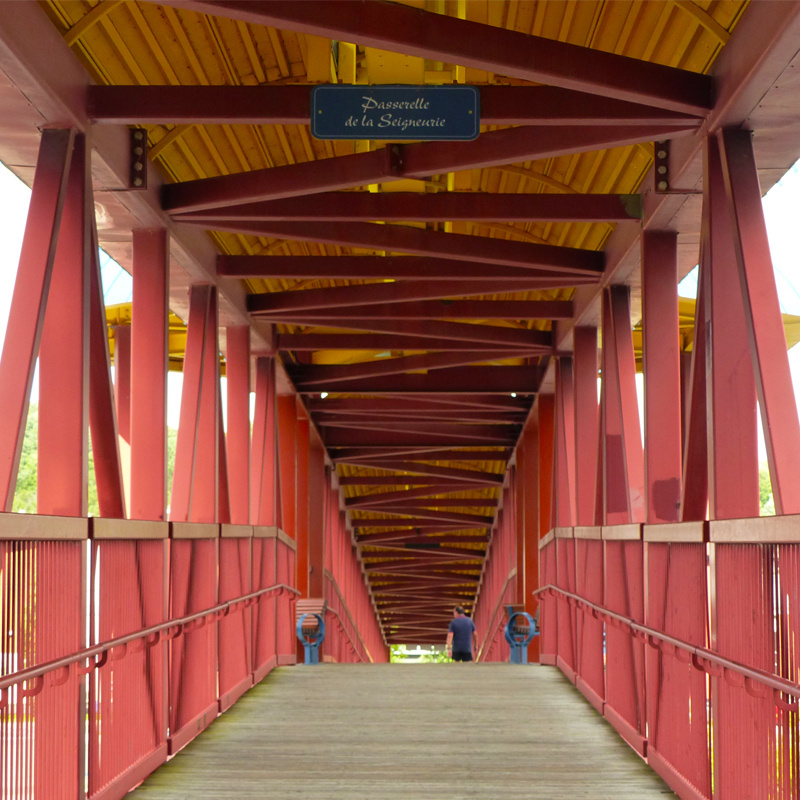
(545,404)
(530,514)
(237,373)
(587,424)
(318,481)
(26,314)
(763,316)
(565,444)
(623,464)
(195,480)
(662,377)
(122,400)
(62,487)
(287,463)
(303,492)
(263,474)
(731,392)
(149,332)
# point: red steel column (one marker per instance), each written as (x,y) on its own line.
(237,372)
(764,324)
(111,496)
(122,400)
(546,411)
(587,424)
(565,444)
(318,483)
(530,512)
(287,463)
(149,331)
(263,474)
(623,458)
(519,520)
(64,359)
(662,376)
(303,493)
(195,479)
(730,386)
(26,315)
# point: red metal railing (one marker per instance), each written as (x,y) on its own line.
(690,650)
(98,660)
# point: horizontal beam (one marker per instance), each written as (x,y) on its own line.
(391,404)
(418,268)
(291,105)
(417,479)
(309,342)
(452,473)
(410,419)
(439,37)
(362,435)
(567,262)
(421,207)
(347,297)
(399,162)
(424,432)
(347,455)
(424,310)
(471,380)
(383,498)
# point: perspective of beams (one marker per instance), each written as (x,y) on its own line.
(414,292)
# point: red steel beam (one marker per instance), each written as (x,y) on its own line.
(291,105)
(263,469)
(391,405)
(417,206)
(400,294)
(452,473)
(309,342)
(480,520)
(418,268)
(402,419)
(490,433)
(442,38)
(587,423)
(26,314)
(382,498)
(471,380)
(363,436)
(416,479)
(566,262)
(306,376)
(426,310)
(398,162)
(364,456)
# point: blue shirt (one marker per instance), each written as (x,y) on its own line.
(462,628)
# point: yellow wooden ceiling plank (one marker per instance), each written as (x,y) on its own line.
(89,20)
(128,58)
(155,47)
(630,26)
(704,18)
(185,44)
(172,136)
(280,55)
(540,177)
(250,49)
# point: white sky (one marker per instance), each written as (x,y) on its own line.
(781,206)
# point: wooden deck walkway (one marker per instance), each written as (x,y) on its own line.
(437,731)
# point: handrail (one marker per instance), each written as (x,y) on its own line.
(104,647)
(329,575)
(346,632)
(497,607)
(774,682)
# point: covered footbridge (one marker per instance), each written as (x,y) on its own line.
(430,246)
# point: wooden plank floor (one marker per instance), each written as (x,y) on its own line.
(436,731)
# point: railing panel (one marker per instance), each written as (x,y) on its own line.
(285,610)
(677,697)
(744,725)
(548,620)
(624,594)
(42,611)
(590,678)
(566,613)
(128,695)
(235,628)
(193,655)
(265,611)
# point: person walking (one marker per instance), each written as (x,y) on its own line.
(462,638)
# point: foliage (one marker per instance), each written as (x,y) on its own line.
(400,653)
(25,495)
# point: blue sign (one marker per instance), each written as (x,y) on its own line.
(449,113)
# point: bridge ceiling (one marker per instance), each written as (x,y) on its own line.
(415,289)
